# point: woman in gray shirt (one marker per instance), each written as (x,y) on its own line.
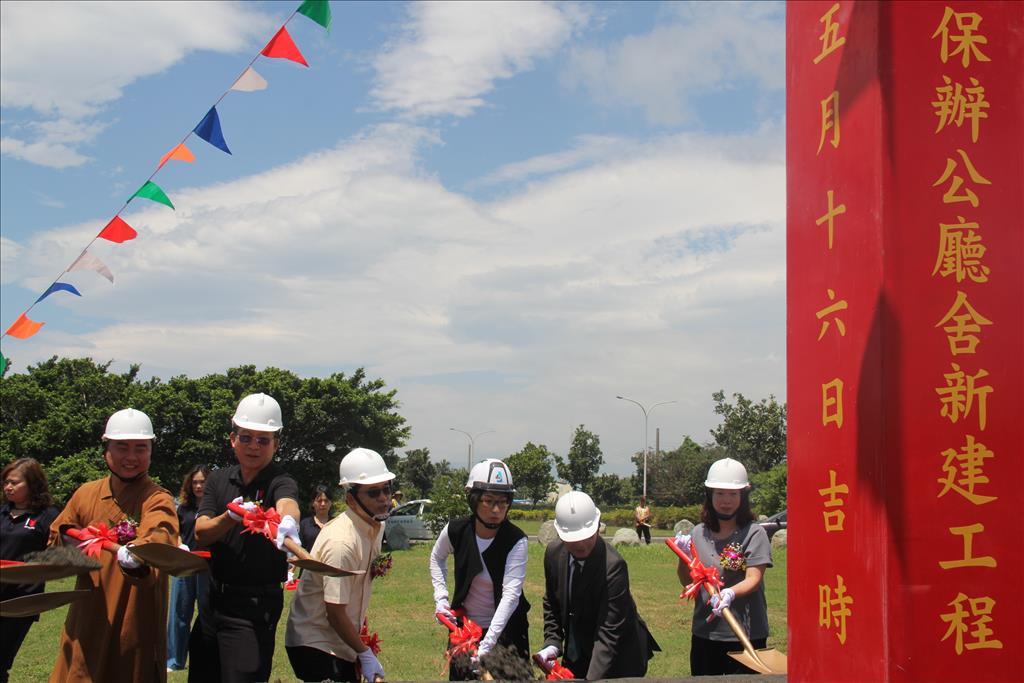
(728,538)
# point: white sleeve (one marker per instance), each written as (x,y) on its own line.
(511,590)
(439,564)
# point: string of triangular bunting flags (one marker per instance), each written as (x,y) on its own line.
(117,230)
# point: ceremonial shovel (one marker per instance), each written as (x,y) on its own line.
(31,605)
(264,522)
(764,661)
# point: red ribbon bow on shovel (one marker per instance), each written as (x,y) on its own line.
(464,639)
(556,672)
(94,538)
(701,576)
(258,520)
(370,640)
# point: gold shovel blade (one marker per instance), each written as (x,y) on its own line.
(768,661)
(31,605)
(312,565)
(170,559)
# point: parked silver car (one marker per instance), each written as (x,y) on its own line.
(410,517)
(774,523)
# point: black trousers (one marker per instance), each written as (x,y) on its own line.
(643,531)
(233,638)
(711,657)
(311,664)
(12,633)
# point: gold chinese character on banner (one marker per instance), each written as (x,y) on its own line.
(829,215)
(954,103)
(830,40)
(968,44)
(834,519)
(965,470)
(950,196)
(834,607)
(832,310)
(830,120)
(964,324)
(962,393)
(832,403)
(978,609)
(968,560)
(960,252)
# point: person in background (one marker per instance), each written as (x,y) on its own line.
(642,517)
(321,503)
(234,637)
(729,539)
(397,499)
(490,556)
(186,590)
(25,518)
(589,612)
(322,638)
(117,634)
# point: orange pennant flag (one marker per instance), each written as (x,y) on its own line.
(23,327)
(181,153)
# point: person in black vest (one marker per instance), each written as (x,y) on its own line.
(233,638)
(490,556)
(589,613)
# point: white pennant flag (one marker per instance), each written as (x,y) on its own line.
(89,262)
(250,81)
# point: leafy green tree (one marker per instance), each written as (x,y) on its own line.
(768,493)
(753,433)
(416,473)
(531,472)
(449,497)
(609,490)
(584,459)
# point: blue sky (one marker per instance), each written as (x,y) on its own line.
(510,212)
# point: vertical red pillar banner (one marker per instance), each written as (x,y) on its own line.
(905,332)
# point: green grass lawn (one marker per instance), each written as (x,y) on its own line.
(401,612)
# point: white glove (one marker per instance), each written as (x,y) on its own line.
(249,507)
(182,546)
(683,542)
(288,528)
(722,600)
(441,606)
(548,655)
(126,559)
(370,665)
(482,649)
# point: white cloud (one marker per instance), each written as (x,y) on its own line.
(65,61)
(452,53)
(696,49)
(656,272)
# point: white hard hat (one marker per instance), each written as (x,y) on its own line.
(576,517)
(129,424)
(363,466)
(727,474)
(258,412)
(490,475)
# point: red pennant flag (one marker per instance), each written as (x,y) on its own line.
(118,231)
(23,327)
(282,46)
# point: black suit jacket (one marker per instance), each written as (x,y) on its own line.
(613,639)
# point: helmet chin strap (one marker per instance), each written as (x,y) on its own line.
(376,518)
(488,524)
(126,480)
(724,517)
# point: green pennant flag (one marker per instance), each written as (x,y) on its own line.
(317,10)
(3,364)
(152,191)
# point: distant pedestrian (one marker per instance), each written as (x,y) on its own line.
(642,518)
(186,591)
(320,503)
(25,518)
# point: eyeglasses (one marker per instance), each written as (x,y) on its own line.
(260,440)
(375,492)
(500,503)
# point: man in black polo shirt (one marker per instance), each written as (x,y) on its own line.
(233,638)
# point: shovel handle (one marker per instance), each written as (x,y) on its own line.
(446,621)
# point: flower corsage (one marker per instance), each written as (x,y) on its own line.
(733,558)
(126,530)
(381,566)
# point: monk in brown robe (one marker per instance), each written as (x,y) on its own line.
(119,633)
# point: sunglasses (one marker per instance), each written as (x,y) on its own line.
(499,503)
(260,440)
(375,492)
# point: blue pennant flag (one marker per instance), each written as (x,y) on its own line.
(209,130)
(59,287)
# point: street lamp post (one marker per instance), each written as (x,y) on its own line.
(471,450)
(646,411)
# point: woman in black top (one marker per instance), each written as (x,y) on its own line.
(186,591)
(25,518)
(321,503)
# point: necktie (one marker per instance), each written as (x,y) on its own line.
(572,650)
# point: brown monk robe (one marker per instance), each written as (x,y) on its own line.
(119,633)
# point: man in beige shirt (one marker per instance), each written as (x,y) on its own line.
(322,638)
